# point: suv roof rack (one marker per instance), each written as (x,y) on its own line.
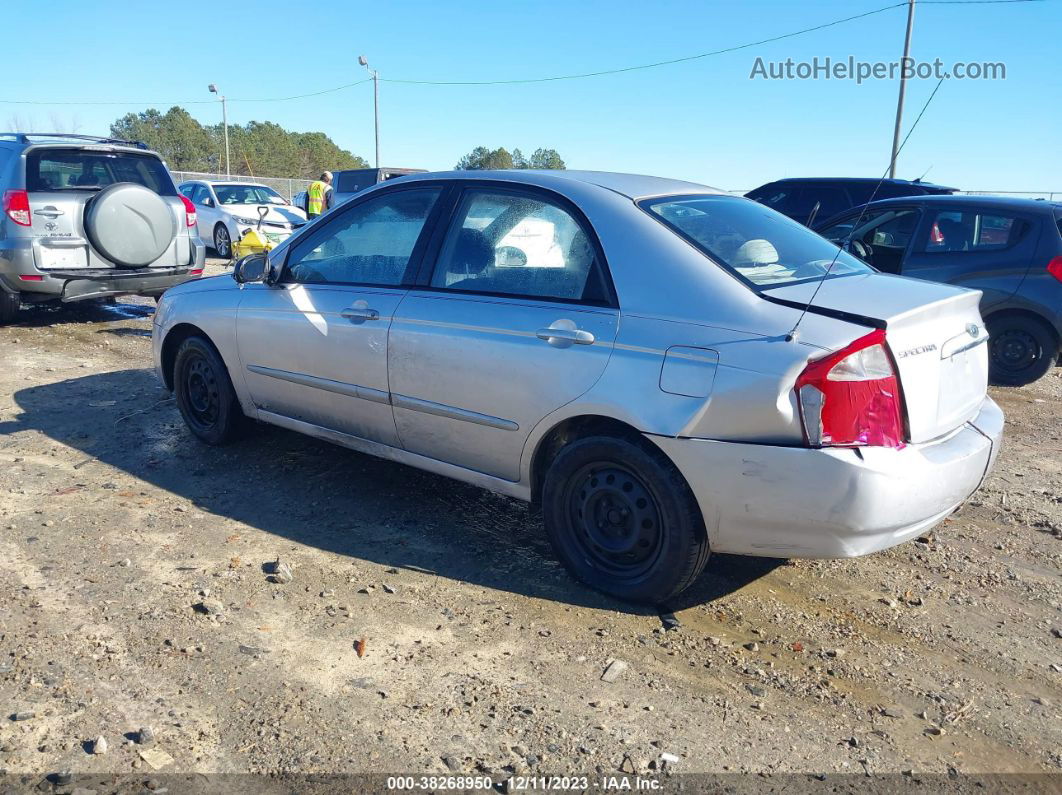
(24,138)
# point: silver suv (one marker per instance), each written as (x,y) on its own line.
(87,217)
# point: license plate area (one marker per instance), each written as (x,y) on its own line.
(62,257)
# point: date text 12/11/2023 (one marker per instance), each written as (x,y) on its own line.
(525,783)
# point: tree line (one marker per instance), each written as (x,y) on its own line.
(258,148)
(265,149)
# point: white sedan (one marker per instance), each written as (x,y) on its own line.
(226,210)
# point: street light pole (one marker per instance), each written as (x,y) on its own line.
(225,123)
(903,87)
(375,102)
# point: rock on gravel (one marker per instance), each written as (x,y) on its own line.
(614,671)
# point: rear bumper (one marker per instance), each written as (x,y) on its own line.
(804,503)
(77,284)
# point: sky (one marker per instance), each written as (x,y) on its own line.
(703,120)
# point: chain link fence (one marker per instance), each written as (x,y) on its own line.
(282,185)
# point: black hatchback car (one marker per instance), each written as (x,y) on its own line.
(1010,249)
(806,199)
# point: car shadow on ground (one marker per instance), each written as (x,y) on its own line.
(90,311)
(318,494)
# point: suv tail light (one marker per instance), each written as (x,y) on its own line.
(1054,267)
(16,207)
(189,210)
(851,398)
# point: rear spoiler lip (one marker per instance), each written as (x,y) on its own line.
(836,314)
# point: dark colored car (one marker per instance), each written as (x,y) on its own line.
(809,199)
(1010,249)
(347,183)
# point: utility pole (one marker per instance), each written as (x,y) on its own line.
(903,87)
(375,102)
(225,123)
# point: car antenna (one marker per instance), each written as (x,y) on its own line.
(792,335)
(924,174)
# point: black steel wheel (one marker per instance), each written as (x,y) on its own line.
(614,519)
(1021,350)
(204,393)
(623,520)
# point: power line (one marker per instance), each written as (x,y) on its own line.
(550,79)
(654,65)
(687,58)
(187,101)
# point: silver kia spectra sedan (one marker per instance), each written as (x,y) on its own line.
(617,349)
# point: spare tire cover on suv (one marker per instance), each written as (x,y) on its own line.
(129,224)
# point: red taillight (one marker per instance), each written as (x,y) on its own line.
(851,398)
(31,277)
(1054,267)
(16,207)
(189,210)
(195,271)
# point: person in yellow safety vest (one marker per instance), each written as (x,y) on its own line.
(319,196)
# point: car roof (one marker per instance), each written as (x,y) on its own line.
(634,186)
(973,200)
(870,180)
(232,182)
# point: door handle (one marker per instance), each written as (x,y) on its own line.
(573,335)
(360,313)
(49,212)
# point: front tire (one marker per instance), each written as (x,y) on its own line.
(622,519)
(222,241)
(204,393)
(1021,350)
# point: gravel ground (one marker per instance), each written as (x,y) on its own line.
(426,628)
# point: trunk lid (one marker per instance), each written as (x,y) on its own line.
(936,336)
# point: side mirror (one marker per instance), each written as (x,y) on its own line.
(251,268)
(208,202)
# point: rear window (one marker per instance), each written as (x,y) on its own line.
(352,183)
(953,230)
(80,169)
(761,246)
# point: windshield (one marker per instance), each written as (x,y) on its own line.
(760,245)
(82,169)
(247,194)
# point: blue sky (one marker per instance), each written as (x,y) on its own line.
(703,120)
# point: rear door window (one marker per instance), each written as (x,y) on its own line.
(954,231)
(517,245)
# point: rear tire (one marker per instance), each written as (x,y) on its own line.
(622,519)
(10,303)
(222,241)
(1021,350)
(204,393)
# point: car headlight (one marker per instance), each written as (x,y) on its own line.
(245,221)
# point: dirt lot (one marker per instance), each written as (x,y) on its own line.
(135,593)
